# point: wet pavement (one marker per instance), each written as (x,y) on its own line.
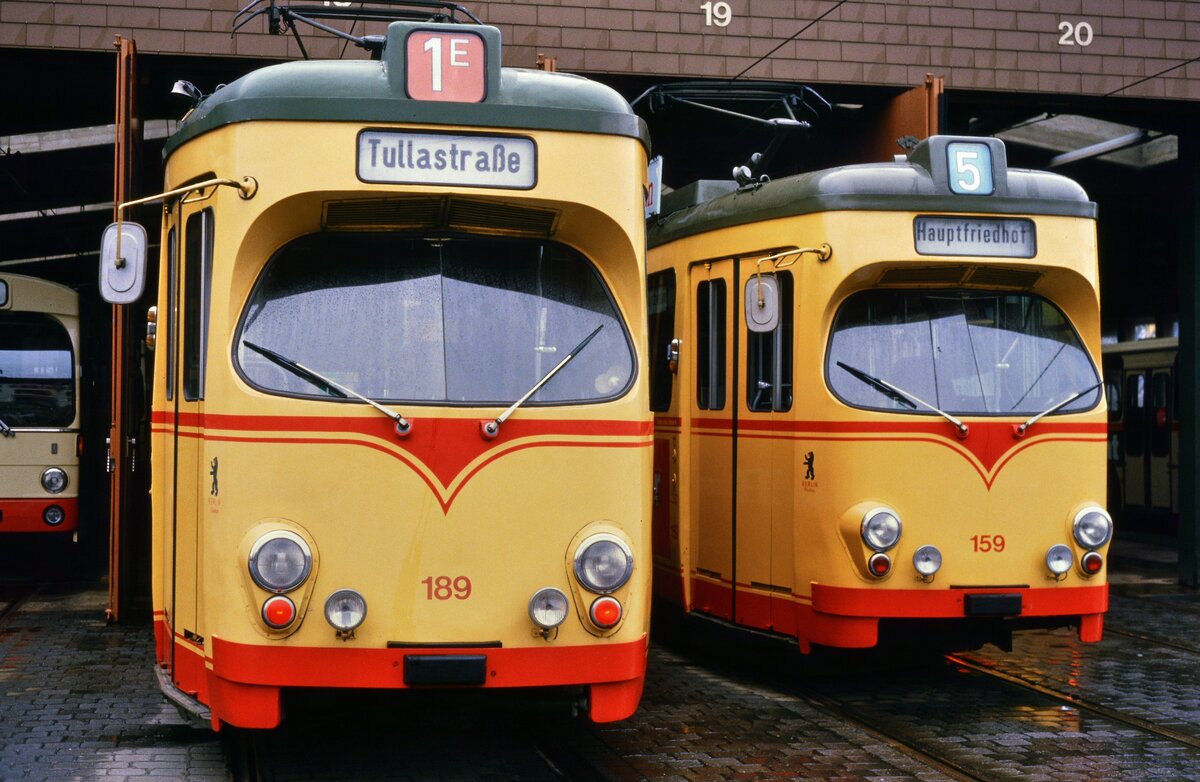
(78,701)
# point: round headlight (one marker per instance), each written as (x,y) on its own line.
(603,563)
(1059,559)
(881,528)
(53,515)
(548,608)
(345,609)
(927,560)
(54,480)
(280,561)
(1093,527)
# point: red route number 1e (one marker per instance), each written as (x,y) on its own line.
(447,66)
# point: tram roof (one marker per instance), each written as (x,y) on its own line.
(905,186)
(358,91)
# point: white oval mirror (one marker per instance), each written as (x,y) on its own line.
(123,273)
(762,303)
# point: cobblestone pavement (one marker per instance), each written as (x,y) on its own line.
(78,701)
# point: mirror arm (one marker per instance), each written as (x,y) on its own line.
(247,186)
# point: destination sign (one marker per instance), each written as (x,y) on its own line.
(985,236)
(447,159)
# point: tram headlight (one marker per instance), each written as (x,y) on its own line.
(1059,559)
(345,609)
(53,515)
(1093,527)
(280,561)
(603,563)
(54,480)
(928,561)
(881,528)
(548,608)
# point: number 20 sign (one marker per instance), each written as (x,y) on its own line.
(446,66)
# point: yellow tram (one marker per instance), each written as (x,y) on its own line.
(400,433)
(877,401)
(40,440)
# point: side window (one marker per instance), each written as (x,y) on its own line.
(197,270)
(769,357)
(661,310)
(710,345)
(172,313)
(1135,414)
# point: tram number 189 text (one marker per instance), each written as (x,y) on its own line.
(985,544)
(445,587)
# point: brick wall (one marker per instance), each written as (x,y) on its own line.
(976,44)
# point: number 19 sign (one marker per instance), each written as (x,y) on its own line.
(446,66)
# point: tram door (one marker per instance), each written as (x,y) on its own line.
(743,463)
(184,489)
(1147,427)
(712,286)
(766,455)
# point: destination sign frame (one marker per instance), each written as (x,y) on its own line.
(989,237)
(385,156)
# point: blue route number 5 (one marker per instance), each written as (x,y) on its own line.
(970,168)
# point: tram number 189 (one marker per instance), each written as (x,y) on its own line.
(445,587)
(987,543)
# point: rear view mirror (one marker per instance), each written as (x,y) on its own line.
(762,303)
(123,273)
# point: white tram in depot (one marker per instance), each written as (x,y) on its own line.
(40,439)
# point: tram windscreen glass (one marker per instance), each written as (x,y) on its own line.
(37,371)
(467,320)
(967,353)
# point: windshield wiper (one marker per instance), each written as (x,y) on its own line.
(6,430)
(492,428)
(1019,431)
(901,395)
(403,425)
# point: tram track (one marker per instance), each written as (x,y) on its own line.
(464,749)
(1074,701)
(879,731)
(22,594)
(1157,641)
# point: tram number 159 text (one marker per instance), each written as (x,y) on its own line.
(445,587)
(988,543)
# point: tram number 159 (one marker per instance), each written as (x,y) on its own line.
(445,587)
(984,544)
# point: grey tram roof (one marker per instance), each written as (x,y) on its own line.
(358,91)
(907,186)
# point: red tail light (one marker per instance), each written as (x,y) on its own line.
(606,612)
(279,612)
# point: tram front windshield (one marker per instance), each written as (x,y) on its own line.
(964,352)
(37,371)
(463,320)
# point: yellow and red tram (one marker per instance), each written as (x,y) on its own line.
(878,403)
(400,428)
(40,440)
